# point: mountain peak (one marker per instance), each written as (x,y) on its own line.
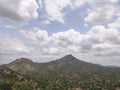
(22,60)
(24,65)
(69,56)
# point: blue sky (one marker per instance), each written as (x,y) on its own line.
(44,30)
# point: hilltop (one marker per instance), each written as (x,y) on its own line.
(67,73)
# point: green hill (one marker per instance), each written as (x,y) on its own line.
(66,73)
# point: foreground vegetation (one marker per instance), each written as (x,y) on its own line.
(67,73)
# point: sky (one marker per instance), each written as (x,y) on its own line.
(45,30)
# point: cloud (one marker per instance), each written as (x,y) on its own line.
(50,51)
(78,3)
(98,11)
(102,41)
(115,24)
(101,11)
(107,41)
(57,43)
(19,10)
(101,14)
(10,45)
(99,42)
(67,37)
(55,8)
(24,10)
(37,35)
(96,41)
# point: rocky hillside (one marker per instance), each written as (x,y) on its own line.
(66,73)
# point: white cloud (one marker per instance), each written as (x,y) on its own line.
(77,3)
(54,9)
(50,51)
(23,10)
(10,45)
(61,42)
(67,37)
(108,35)
(101,2)
(115,24)
(37,36)
(98,12)
(101,11)
(108,41)
(101,14)
(102,46)
(19,10)
(99,42)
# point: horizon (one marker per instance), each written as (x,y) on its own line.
(70,55)
(45,30)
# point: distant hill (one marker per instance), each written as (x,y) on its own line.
(23,65)
(67,73)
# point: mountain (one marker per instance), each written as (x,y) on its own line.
(23,65)
(66,64)
(67,73)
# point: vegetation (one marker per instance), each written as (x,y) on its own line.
(67,73)
(11,80)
